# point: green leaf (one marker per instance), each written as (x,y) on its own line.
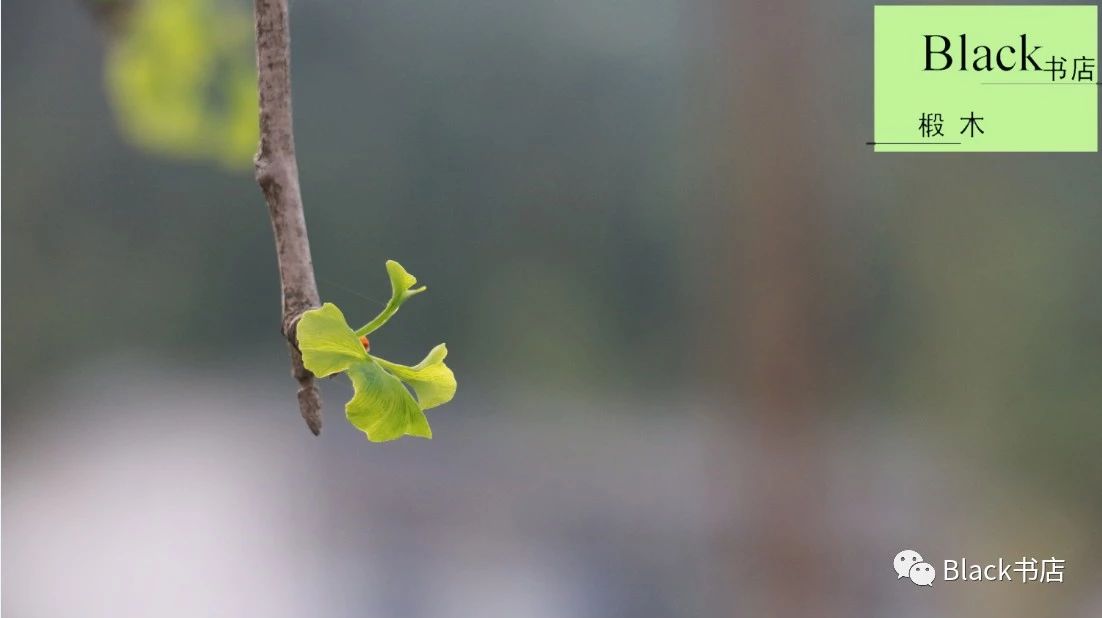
(401,282)
(401,289)
(381,407)
(431,379)
(327,343)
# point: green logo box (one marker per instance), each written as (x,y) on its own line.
(985,78)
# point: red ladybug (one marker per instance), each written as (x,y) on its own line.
(366,343)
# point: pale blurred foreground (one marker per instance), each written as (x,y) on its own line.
(180,494)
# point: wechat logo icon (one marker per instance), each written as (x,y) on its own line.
(908,563)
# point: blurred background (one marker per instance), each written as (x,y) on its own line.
(716,358)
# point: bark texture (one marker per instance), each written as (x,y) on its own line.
(277,175)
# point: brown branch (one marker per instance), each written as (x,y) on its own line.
(277,175)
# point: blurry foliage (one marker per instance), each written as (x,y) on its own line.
(181,76)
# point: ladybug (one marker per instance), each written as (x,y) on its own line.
(366,343)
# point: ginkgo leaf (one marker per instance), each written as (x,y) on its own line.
(401,282)
(401,289)
(432,380)
(327,343)
(381,405)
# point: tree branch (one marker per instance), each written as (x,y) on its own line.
(277,175)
